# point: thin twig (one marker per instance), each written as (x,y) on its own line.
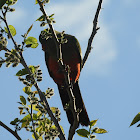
(66,75)
(10,130)
(94,31)
(31,114)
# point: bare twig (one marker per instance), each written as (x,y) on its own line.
(66,75)
(10,130)
(94,31)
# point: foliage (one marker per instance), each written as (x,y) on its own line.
(34,114)
(34,117)
(89,134)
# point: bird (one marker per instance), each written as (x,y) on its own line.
(71,56)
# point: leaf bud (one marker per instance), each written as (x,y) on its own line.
(23,113)
(28,78)
(15,64)
(95,129)
(20,108)
(21,79)
(7,54)
(26,83)
(12,9)
(28,46)
(37,67)
(92,136)
(39,70)
(39,78)
(43,24)
(2,61)
(8,65)
(27,129)
(39,73)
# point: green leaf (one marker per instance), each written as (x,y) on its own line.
(12,30)
(83,133)
(53,109)
(27,90)
(2,2)
(23,100)
(29,29)
(100,131)
(34,116)
(21,110)
(39,129)
(25,121)
(42,18)
(36,2)
(136,119)
(26,118)
(24,71)
(31,40)
(93,123)
(14,121)
(39,114)
(53,127)
(32,69)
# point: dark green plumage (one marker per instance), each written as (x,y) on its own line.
(71,54)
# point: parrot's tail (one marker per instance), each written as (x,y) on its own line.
(83,116)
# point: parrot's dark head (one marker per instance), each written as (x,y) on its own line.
(48,44)
(43,37)
(47,41)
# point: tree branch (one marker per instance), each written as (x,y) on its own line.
(66,75)
(94,31)
(41,95)
(43,99)
(10,130)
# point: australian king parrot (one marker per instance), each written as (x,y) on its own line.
(71,55)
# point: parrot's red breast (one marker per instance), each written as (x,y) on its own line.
(58,76)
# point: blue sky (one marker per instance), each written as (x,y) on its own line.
(110,79)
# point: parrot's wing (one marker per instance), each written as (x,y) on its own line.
(75,43)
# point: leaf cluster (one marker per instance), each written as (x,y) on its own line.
(7,2)
(12,57)
(89,134)
(35,115)
(42,19)
(35,118)
(30,79)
